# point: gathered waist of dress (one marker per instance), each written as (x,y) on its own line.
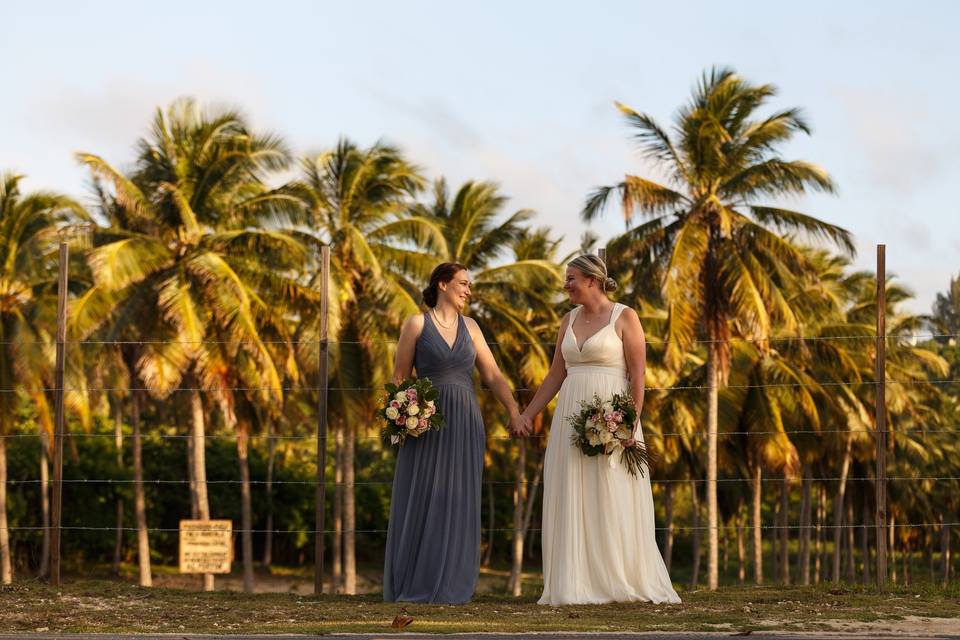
(450,381)
(593,370)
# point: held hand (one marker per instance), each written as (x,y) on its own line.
(519,426)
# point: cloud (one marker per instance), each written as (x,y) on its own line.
(887,131)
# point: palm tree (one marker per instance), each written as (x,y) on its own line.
(716,239)
(356,201)
(29,228)
(186,264)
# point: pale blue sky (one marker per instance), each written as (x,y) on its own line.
(517,92)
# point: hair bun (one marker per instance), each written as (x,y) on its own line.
(430,296)
(610,284)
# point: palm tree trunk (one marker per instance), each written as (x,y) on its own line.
(741,541)
(336,548)
(785,530)
(192,477)
(45,502)
(713,565)
(246,507)
(139,500)
(756,514)
(271,457)
(821,515)
(838,501)
(695,509)
(906,562)
(6,568)
(532,498)
(805,527)
(488,555)
(851,554)
(891,544)
(118,443)
(198,438)
(519,501)
(775,540)
(668,542)
(945,549)
(725,546)
(865,537)
(349,512)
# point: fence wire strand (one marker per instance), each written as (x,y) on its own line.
(907,525)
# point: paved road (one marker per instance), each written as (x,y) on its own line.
(466,636)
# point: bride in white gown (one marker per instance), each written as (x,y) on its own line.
(599,541)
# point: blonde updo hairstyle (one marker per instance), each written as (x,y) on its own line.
(593,267)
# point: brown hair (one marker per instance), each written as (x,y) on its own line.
(442,273)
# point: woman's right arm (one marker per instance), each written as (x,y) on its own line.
(406,347)
(555,377)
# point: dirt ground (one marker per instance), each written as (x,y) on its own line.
(285,604)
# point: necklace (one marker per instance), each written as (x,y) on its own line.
(435,317)
(587,321)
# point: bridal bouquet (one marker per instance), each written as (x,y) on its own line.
(606,426)
(409,409)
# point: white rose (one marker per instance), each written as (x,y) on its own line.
(413,410)
(392,413)
(431,404)
(401,396)
(593,439)
(412,422)
(605,436)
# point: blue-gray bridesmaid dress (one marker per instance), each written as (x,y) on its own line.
(433,539)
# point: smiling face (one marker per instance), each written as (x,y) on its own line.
(579,286)
(457,291)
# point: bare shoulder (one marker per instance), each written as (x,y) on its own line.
(413,325)
(476,334)
(472,326)
(629,320)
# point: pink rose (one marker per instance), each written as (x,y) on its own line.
(394,404)
(412,394)
(612,426)
(400,421)
(423,423)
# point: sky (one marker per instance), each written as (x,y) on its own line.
(520,93)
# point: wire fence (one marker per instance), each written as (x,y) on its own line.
(912,429)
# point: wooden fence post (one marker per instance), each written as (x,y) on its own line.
(55,519)
(322,421)
(881,420)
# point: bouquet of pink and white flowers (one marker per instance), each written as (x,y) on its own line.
(606,426)
(410,409)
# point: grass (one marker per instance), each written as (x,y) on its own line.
(94,605)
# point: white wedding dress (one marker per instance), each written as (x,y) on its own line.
(599,541)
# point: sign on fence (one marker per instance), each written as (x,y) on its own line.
(206,546)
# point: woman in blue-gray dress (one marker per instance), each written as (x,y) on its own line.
(433,540)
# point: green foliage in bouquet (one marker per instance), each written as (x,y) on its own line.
(607,427)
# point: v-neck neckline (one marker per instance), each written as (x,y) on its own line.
(436,327)
(603,328)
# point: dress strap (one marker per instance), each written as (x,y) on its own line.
(617,310)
